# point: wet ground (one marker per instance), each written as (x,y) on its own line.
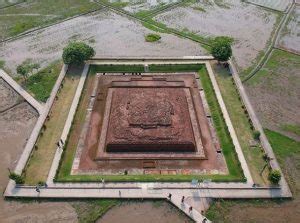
(110,34)
(16,124)
(135,6)
(249,25)
(146,212)
(290,36)
(280,5)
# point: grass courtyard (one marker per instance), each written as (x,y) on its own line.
(40,162)
(235,172)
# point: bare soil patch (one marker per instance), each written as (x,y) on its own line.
(274,91)
(111,35)
(249,25)
(146,212)
(8,97)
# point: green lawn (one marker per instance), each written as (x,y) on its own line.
(40,84)
(33,13)
(39,164)
(235,170)
(241,124)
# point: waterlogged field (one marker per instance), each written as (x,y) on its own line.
(280,5)
(110,34)
(290,36)
(227,18)
(34,13)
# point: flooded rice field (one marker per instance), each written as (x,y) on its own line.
(280,5)
(135,6)
(290,36)
(110,34)
(146,212)
(249,25)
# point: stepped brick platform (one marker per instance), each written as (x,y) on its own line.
(159,118)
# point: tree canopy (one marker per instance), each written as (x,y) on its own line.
(274,176)
(221,48)
(77,53)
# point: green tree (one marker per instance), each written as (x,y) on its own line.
(77,53)
(274,176)
(26,68)
(221,48)
(17,178)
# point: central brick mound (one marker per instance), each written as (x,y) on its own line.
(149,120)
(146,123)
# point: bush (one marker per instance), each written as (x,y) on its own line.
(221,48)
(17,178)
(256,135)
(77,53)
(152,37)
(274,176)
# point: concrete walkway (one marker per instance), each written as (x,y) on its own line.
(231,130)
(68,124)
(256,123)
(31,100)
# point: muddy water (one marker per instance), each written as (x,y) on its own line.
(110,34)
(250,26)
(146,212)
(290,37)
(16,125)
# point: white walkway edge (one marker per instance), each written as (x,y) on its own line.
(36,130)
(31,100)
(231,130)
(263,138)
(68,124)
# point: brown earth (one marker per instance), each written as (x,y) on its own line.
(146,212)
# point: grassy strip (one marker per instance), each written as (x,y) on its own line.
(175,67)
(91,210)
(241,124)
(116,69)
(40,84)
(235,171)
(228,149)
(41,158)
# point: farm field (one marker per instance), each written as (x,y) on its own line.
(274,92)
(289,38)
(35,13)
(226,19)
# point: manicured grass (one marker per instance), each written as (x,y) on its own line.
(40,162)
(227,146)
(152,37)
(40,84)
(34,13)
(239,119)
(90,211)
(116,68)
(235,170)
(175,67)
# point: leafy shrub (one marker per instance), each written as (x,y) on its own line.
(17,178)
(77,53)
(152,37)
(221,48)
(274,176)
(256,135)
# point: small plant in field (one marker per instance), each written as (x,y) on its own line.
(274,176)
(17,178)
(26,68)
(77,53)
(152,37)
(256,135)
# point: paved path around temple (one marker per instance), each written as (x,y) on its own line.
(148,190)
